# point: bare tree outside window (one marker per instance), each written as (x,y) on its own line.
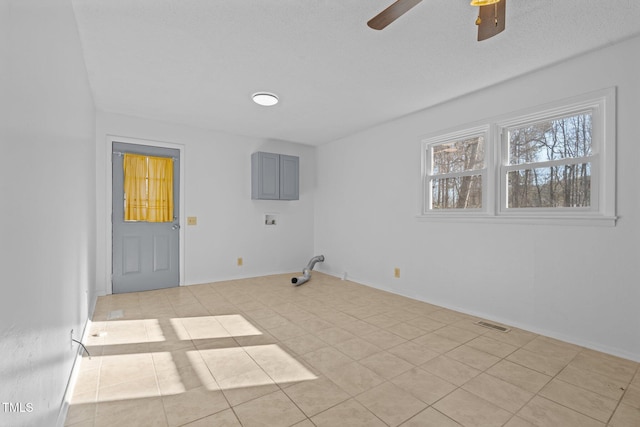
(456,174)
(556,159)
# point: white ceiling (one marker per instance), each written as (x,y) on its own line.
(197,62)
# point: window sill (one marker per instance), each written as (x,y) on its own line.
(569,220)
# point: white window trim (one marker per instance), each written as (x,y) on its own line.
(601,103)
(470,132)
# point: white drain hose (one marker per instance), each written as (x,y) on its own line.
(306,273)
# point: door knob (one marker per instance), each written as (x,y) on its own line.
(175,227)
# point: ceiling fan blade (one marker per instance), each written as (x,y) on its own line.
(491,20)
(390,14)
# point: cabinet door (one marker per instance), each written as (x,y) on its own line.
(289,177)
(265,176)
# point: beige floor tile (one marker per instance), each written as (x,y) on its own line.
(413,353)
(304,344)
(384,339)
(263,339)
(425,323)
(80,412)
(349,413)
(116,369)
(542,412)
(515,337)
(286,331)
(354,378)
(204,327)
(304,423)
(423,385)
(272,410)
(272,321)
(382,320)
(139,388)
(192,405)
(437,343)
(334,335)
(86,388)
(386,364)
(456,334)
(553,348)
(237,325)
(357,348)
(402,315)
(523,377)
(472,357)
(471,411)
(279,365)
(492,346)
(315,396)
(228,362)
(131,413)
(625,416)
(406,331)
(260,313)
(359,327)
(610,366)
(518,422)
(501,393)
(538,362)
(158,355)
(450,370)
(430,418)
(390,403)
(578,399)
(445,316)
(592,381)
(314,324)
(123,349)
(326,359)
(242,394)
(632,396)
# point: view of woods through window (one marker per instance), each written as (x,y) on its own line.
(549,164)
(456,167)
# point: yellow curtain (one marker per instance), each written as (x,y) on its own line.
(148,188)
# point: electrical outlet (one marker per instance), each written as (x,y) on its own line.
(396,272)
(192,220)
(239,262)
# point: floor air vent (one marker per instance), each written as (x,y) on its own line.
(492,326)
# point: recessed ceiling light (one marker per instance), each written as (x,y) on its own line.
(265,98)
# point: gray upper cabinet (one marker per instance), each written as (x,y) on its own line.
(274,176)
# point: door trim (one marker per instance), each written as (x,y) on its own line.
(109,140)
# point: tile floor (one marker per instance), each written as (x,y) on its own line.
(260,352)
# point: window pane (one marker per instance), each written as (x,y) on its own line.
(463,192)
(565,186)
(568,137)
(458,156)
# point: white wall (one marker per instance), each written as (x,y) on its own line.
(217,183)
(578,283)
(47,220)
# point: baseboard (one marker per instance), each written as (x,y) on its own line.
(73,375)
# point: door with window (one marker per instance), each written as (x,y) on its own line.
(145,221)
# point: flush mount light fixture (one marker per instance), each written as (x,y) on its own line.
(265,99)
(483,2)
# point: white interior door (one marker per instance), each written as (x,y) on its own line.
(145,254)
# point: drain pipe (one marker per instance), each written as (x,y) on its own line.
(306,273)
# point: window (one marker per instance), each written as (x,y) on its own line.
(548,163)
(553,163)
(455,170)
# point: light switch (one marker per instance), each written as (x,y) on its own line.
(192,220)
